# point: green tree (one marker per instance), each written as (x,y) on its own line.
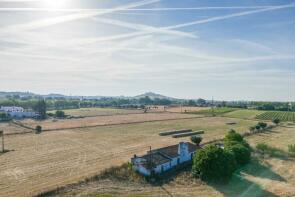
(242,153)
(257,127)
(60,114)
(252,129)
(38,129)
(196,139)
(232,135)
(41,108)
(276,121)
(214,164)
(191,103)
(262,125)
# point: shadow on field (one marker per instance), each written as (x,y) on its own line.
(257,169)
(240,186)
(5,151)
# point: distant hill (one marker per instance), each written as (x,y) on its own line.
(153,95)
(53,95)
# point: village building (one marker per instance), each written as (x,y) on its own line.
(17,112)
(163,159)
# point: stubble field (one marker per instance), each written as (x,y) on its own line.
(37,163)
(264,176)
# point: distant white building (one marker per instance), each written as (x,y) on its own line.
(17,112)
(12,109)
(163,159)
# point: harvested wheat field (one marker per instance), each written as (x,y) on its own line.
(90,112)
(37,163)
(11,128)
(51,124)
(186,109)
(264,176)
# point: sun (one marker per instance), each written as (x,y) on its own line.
(54,3)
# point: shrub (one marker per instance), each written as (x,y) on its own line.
(271,151)
(252,129)
(235,143)
(214,164)
(38,129)
(60,114)
(241,152)
(196,139)
(262,125)
(50,114)
(257,127)
(291,150)
(232,135)
(276,121)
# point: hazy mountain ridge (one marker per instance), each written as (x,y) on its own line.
(152,95)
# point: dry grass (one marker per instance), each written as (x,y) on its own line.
(90,112)
(51,124)
(263,177)
(52,159)
(186,109)
(10,128)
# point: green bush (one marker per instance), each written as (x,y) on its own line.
(257,127)
(196,139)
(276,121)
(60,114)
(242,153)
(38,129)
(291,150)
(235,143)
(271,151)
(232,135)
(214,164)
(262,125)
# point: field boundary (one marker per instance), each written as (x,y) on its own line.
(100,125)
(123,123)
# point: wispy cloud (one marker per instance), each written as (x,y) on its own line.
(129,9)
(144,28)
(235,15)
(68,18)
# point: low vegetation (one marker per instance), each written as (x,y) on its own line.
(38,129)
(291,150)
(60,114)
(271,151)
(4,117)
(196,139)
(215,111)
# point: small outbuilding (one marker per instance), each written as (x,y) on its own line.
(163,159)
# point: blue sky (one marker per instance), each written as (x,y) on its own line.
(232,50)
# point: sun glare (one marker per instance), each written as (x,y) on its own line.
(54,3)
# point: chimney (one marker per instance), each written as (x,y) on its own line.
(183,148)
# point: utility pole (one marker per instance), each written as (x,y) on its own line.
(2,135)
(212,106)
(150,157)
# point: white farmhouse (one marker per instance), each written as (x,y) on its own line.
(17,112)
(164,159)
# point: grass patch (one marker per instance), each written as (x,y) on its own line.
(265,149)
(291,150)
(125,172)
(215,111)
(243,114)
